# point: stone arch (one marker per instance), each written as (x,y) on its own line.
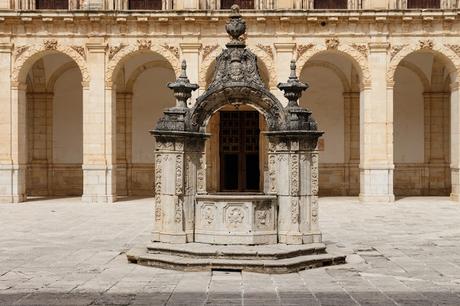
(126,52)
(342,77)
(452,60)
(139,70)
(27,58)
(356,53)
(415,69)
(258,98)
(265,58)
(56,74)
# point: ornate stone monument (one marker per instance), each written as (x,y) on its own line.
(271,231)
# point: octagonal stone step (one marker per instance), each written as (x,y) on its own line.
(265,259)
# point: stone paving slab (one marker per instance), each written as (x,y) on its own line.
(64,252)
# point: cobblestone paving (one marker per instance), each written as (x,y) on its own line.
(62,252)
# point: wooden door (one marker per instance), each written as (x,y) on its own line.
(239,151)
(243,4)
(52,4)
(145,4)
(421,4)
(330,4)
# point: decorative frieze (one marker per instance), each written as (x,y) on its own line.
(179,174)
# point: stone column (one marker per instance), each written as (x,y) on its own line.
(191,54)
(12,132)
(284,54)
(376,132)
(351,110)
(293,177)
(455,141)
(179,176)
(99,119)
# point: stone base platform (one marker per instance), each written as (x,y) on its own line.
(275,258)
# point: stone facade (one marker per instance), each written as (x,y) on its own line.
(75,110)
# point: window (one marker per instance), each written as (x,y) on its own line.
(52,4)
(243,4)
(330,4)
(145,4)
(422,4)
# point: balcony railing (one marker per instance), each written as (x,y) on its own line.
(423,4)
(330,4)
(244,4)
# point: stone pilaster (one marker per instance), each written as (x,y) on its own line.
(12,132)
(99,147)
(284,54)
(455,141)
(376,133)
(293,176)
(191,54)
(179,176)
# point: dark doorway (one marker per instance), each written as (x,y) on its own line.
(239,151)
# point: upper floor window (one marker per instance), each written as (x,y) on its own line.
(145,4)
(52,4)
(422,4)
(243,4)
(330,4)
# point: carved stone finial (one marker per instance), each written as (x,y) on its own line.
(182,87)
(236,27)
(293,88)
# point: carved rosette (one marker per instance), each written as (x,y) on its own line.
(208,215)
(179,174)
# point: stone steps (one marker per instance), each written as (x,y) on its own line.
(200,250)
(265,259)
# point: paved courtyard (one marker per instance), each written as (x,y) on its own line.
(63,252)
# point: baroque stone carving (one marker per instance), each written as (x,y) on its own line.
(455,48)
(50,44)
(158,161)
(314,174)
(295,210)
(80,50)
(267,49)
(426,44)
(361,48)
(179,174)
(294,174)
(332,43)
(272,172)
(19,50)
(144,44)
(115,49)
(395,49)
(208,214)
(301,49)
(234,216)
(172,49)
(178,210)
(208,50)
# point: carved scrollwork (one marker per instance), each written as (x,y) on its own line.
(50,44)
(332,43)
(301,49)
(267,49)
(115,49)
(172,49)
(144,44)
(158,178)
(179,174)
(295,210)
(361,48)
(80,50)
(294,173)
(314,174)
(207,50)
(178,210)
(234,216)
(19,50)
(395,50)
